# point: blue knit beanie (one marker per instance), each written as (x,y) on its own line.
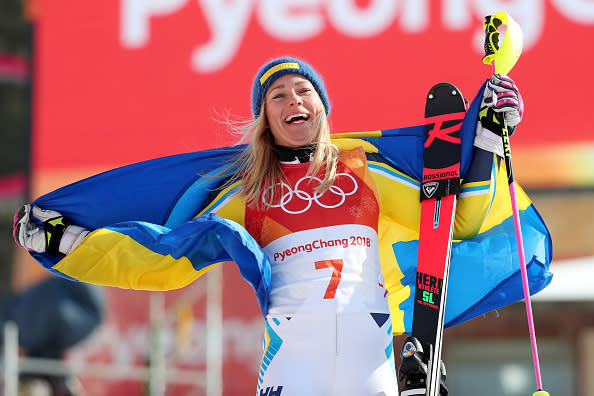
(277,68)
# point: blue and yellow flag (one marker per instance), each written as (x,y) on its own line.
(146,234)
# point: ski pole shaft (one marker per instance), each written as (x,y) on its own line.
(522,256)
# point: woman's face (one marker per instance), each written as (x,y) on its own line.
(291,105)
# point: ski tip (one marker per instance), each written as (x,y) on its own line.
(444,89)
(444,98)
(541,393)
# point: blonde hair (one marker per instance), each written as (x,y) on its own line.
(258,164)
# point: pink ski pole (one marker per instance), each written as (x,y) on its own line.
(510,56)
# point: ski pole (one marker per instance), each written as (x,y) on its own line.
(506,56)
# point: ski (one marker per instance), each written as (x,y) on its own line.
(444,112)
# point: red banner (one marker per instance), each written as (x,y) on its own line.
(119,81)
(122,81)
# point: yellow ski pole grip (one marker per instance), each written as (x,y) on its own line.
(505,55)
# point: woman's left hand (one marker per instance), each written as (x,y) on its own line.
(502,95)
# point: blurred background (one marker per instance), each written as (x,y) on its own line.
(89,86)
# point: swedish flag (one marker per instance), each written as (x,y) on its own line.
(146,234)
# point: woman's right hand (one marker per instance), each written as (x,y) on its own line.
(46,237)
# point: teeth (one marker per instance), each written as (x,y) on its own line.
(294,116)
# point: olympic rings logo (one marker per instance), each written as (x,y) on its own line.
(309,198)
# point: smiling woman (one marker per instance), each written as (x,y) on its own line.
(314,210)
